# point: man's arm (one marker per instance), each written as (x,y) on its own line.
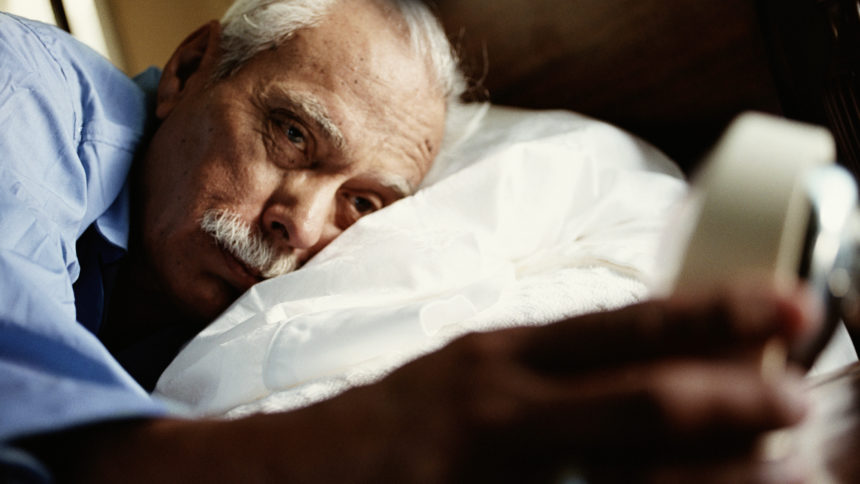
(666,388)
(62,163)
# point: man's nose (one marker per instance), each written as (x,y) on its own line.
(301,216)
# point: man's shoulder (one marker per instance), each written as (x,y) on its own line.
(49,61)
(35,47)
(73,125)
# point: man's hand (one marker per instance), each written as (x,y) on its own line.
(673,388)
(664,391)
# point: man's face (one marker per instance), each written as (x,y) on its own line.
(295,147)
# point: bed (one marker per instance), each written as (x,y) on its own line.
(556,196)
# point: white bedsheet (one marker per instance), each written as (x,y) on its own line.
(535,217)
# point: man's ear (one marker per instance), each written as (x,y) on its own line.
(196,55)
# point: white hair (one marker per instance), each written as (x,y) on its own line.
(251,26)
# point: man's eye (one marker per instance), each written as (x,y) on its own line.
(296,137)
(353,206)
(363,205)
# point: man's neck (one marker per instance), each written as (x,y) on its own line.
(143,328)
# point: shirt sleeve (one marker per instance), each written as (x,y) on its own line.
(54,373)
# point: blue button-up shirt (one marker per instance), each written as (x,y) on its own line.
(70,124)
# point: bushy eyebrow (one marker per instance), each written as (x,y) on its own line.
(396,183)
(309,107)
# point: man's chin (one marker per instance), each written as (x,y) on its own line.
(211,297)
(204,307)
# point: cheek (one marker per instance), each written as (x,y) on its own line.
(241,187)
(236,169)
(214,160)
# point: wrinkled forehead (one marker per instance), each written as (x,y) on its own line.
(357,77)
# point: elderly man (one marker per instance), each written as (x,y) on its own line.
(271,133)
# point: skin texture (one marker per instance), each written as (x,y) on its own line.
(243,144)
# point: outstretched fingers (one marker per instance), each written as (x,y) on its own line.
(695,324)
(675,416)
(673,401)
(670,386)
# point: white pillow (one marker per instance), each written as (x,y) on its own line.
(533,217)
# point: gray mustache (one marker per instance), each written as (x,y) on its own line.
(247,244)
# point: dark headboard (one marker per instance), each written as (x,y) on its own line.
(672,71)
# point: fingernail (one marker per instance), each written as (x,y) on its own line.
(791,468)
(808,309)
(777,445)
(793,394)
(774,356)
